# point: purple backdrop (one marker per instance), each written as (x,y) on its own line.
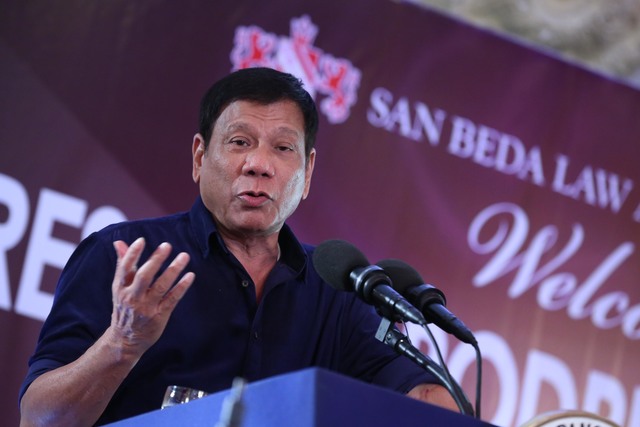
(505,176)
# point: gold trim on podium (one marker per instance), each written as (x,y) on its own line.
(566,418)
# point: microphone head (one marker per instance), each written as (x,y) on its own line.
(334,260)
(402,274)
(408,282)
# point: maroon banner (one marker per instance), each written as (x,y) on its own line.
(505,176)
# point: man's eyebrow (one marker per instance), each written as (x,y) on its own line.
(281,130)
(238,126)
(285,130)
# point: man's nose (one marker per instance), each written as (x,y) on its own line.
(259,162)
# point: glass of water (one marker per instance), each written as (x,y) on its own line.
(176,395)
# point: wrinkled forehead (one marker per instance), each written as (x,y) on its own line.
(284,117)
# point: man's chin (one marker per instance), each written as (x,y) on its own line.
(258,228)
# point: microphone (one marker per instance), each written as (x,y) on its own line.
(345,268)
(427,298)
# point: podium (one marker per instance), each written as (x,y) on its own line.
(311,397)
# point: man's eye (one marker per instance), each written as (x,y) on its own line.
(284,148)
(239,142)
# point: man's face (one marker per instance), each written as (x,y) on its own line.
(253,174)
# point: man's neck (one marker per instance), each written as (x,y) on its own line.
(258,255)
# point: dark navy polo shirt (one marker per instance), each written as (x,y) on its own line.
(218,331)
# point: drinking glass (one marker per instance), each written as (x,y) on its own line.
(176,395)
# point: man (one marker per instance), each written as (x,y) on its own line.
(126,323)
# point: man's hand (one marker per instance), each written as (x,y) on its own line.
(142,306)
(434,394)
(76,394)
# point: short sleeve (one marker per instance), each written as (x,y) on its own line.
(81,309)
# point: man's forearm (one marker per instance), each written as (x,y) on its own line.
(78,393)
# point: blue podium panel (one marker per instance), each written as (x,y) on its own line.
(309,398)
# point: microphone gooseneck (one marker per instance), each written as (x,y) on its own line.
(427,298)
(432,303)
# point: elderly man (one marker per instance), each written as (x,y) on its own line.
(220,291)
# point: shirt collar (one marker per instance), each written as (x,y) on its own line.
(206,233)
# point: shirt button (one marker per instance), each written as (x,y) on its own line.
(255,334)
(245,283)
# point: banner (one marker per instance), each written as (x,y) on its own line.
(507,177)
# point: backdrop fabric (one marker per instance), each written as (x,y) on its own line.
(507,177)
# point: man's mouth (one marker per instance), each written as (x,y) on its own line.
(254,198)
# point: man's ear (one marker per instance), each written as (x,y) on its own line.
(197,152)
(308,173)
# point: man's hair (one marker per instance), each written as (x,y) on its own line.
(261,85)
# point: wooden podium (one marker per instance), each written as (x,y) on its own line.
(308,398)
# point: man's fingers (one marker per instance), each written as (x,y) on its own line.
(171,298)
(169,276)
(127,262)
(124,271)
(136,282)
(120,247)
(145,274)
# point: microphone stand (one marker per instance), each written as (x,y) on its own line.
(232,407)
(389,335)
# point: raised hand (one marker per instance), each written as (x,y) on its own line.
(142,306)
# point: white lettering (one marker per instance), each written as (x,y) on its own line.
(599,188)
(45,250)
(555,292)
(558,290)
(485,146)
(541,370)
(461,143)
(506,244)
(636,214)
(584,184)
(542,242)
(545,368)
(577,308)
(431,123)
(494,150)
(634,413)
(618,301)
(510,155)
(400,115)
(631,323)
(506,258)
(609,191)
(603,388)
(15,198)
(532,166)
(380,99)
(381,114)
(562,163)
